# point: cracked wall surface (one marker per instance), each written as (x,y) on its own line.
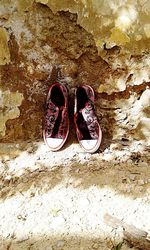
(114,23)
(9,103)
(43,45)
(4,51)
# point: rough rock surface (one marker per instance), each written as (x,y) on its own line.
(113,22)
(58,200)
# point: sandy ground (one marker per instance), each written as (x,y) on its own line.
(58,200)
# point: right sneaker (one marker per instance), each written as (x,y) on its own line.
(56,124)
(87,127)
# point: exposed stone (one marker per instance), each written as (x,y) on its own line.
(4,51)
(112,22)
(9,103)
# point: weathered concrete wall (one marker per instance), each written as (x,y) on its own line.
(34,40)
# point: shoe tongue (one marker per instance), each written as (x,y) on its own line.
(88,108)
(52,105)
(61,108)
(90,119)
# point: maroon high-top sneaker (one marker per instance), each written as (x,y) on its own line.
(87,127)
(56,124)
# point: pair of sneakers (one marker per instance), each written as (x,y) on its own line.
(56,124)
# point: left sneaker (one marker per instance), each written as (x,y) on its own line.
(87,127)
(56,127)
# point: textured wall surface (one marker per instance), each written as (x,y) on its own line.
(114,22)
(4,51)
(9,103)
(38,46)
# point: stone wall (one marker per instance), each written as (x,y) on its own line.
(39,45)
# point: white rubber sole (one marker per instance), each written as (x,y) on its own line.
(55,144)
(91,146)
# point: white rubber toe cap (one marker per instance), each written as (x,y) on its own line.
(54,144)
(90,145)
